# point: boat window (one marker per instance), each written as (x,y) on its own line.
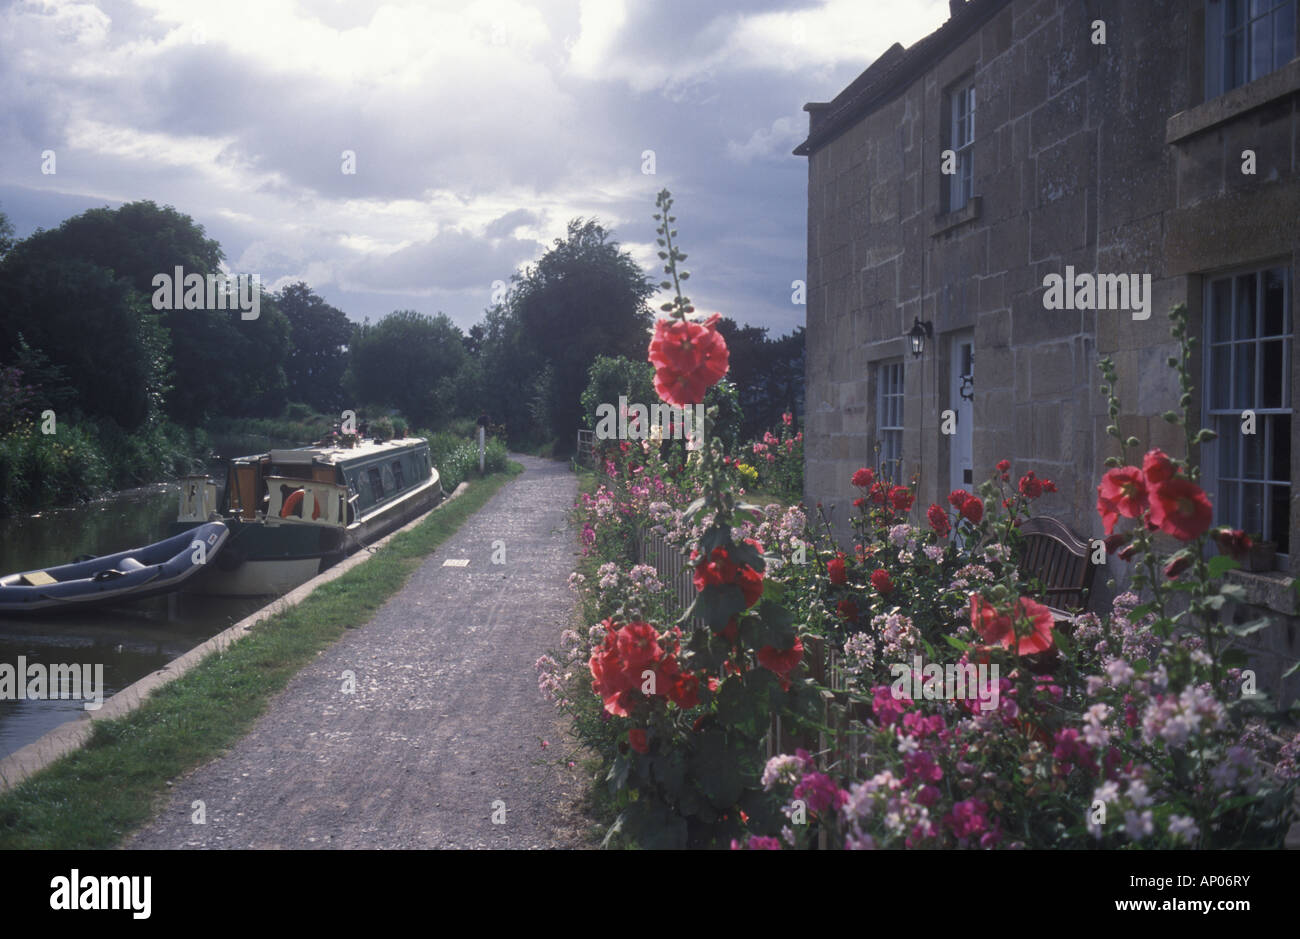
(397,474)
(376,484)
(388,479)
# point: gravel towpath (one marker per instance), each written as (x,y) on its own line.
(445,726)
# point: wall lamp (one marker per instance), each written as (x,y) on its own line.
(918,334)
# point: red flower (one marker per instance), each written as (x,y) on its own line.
(1116,541)
(685,690)
(781,662)
(1177,564)
(879,494)
(731,630)
(1123,492)
(1233,542)
(1033,623)
(880,580)
(720,571)
(938,519)
(860,503)
(1030,487)
(957,498)
(1180,508)
(901,498)
(848,611)
(1157,467)
(1126,553)
(617,666)
(1004,465)
(637,738)
(835,568)
(973,509)
(688,357)
(864,478)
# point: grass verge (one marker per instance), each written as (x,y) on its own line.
(93,797)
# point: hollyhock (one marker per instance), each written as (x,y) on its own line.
(1180,508)
(1030,486)
(1177,564)
(1233,542)
(1004,465)
(720,570)
(864,477)
(938,519)
(880,580)
(957,498)
(685,690)
(836,570)
(973,509)
(1123,492)
(1157,467)
(688,358)
(901,498)
(787,418)
(879,494)
(993,626)
(781,661)
(637,738)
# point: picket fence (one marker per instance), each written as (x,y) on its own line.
(840,743)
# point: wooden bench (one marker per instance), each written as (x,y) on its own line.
(1053,554)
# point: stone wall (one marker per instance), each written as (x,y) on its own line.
(1102,157)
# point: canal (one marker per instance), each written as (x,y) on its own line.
(130,641)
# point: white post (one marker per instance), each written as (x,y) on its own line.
(481,448)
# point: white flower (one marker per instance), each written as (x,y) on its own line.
(1137,794)
(1120,672)
(1139,826)
(1183,828)
(1107,792)
(907,744)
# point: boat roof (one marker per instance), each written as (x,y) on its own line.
(332,455)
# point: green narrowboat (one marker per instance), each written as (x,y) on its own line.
(294,513)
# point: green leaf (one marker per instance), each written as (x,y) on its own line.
(1221,564)
(1254,626)
(956,643)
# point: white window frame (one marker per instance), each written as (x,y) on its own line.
(1236,491)
(961,139)
(889,417)
(1231,48)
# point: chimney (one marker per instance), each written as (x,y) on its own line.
(954,7)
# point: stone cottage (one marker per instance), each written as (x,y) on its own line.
(962,193)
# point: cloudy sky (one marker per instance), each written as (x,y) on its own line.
(479,129)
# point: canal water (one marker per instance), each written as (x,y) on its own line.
(129,641)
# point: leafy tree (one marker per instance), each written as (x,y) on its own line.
(6,234)
(408,361)
(95,329)
(768,374)
(584,297)
(318,354)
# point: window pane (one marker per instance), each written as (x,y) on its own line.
(1243,376)
(1220,376)
(1245,307)
(1228,512)
(1279,528)
(1252,451)
(1284,34)
(1274,303)
(1261,47)
(1229,431)
(1271,374)
(1252,508)
(1280,431)
(1221,305)
(1234,59)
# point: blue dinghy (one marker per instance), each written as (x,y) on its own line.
(115,578)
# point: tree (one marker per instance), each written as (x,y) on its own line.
(6,235)
(768,374)
(583,298)
(318,354)
(408,361)
(95,330)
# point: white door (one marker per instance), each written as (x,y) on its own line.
(961,399)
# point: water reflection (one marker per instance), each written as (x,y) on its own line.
(130,641)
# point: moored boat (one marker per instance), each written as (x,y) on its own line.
(128,575)
(294,513)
